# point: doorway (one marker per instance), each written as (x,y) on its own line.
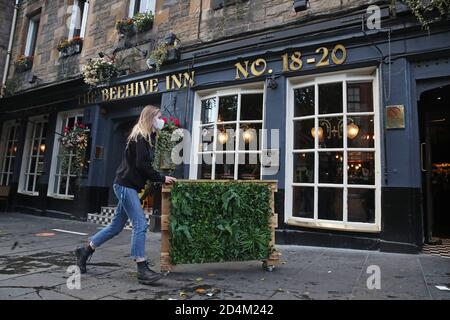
(434,111)
(121,132)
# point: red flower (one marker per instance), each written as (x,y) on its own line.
(66,129)
(82,126)
(164,119)
(177,122)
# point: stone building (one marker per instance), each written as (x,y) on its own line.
(6,17)
(351,108)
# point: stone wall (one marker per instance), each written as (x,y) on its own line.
(193,21)
(6,16)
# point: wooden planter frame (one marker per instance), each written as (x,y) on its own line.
(166,265)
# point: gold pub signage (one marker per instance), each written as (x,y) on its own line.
(244,69)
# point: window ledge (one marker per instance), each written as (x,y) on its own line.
(351,227)
(31,194)
(60,197)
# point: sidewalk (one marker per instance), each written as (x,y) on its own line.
(34,267)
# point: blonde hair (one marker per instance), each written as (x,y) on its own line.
(144,126)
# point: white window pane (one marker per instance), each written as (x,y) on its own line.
(147,6)
(33,28)
(84,19)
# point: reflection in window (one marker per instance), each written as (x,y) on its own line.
(330,204)
(303,202)
(333,153)
(252,107)
(361,132)
(361,205)
(209,110)
(330,98)
(228,108)
(8,151)
(304,168)
(230,135)
(361,168)
(331,134)
(331,167)
(304,102)
(64,178)
(34,155)
(304,134)
(359,97)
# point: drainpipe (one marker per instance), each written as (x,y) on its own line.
(11,40)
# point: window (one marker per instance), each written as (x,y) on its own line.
(62,181)
(332,169)
(141,6)
(33,155)
(8,150)
(78,21)
(228,135)
(33,27)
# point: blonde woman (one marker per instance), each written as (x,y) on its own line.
(131,176)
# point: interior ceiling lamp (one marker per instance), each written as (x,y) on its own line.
(248,135)
(352,129)
(223,137)
(300,5)
(313,133)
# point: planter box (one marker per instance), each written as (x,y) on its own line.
(269,263)
(146,28)
(23,67)
(127,32)
(70,50)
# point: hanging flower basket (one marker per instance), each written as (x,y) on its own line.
(169,136)
(99,71)
(68,48)
(74,143)
(163,54)
(23,63)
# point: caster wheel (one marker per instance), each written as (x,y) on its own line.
(268,268)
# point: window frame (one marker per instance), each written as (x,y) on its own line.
(53,176)
(74,18)
(4,141)
(258,88)
(25,171)
(144,6)
(32,34)
(350,76)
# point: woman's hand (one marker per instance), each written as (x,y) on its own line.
(170,180)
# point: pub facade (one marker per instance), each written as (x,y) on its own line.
(350,120)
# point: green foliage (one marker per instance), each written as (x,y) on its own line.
(422,10)
(159,55)
(12,85)
(143,21)
(216,222)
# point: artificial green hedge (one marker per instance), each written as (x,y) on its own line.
(216,222)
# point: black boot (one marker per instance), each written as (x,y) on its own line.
(83,254)
(145,275)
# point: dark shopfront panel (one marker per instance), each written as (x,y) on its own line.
(399,174)
(32,172)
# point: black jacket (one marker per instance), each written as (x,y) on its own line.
(136,167)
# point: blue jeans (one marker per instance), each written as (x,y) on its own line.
(129,206)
